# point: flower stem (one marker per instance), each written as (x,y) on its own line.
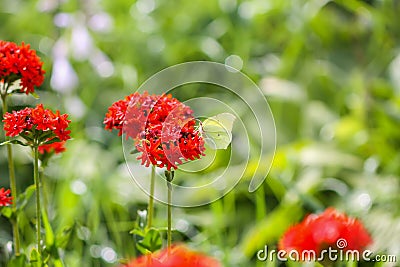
(169,233)
(169,175)
(13,184)
(44,190)
(150,210)
(37,186)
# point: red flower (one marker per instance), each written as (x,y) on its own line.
(163,128)
(20,62)
(328,229)
(5,200)
(115,117)
(16,122)
(39,123)
(179,257)
(56,147)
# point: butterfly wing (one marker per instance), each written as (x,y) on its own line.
(218,130)
(226,120)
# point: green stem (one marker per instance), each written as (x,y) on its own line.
(13,184)
(169,232)
(45,190)
(351,263)
(37,186)
(169,175)
(229,208)
(218,211)
(261,209)
(150,210)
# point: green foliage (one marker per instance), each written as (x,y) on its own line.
(148,241)
(35,258)
(329,70)
(270,228)
(17,261)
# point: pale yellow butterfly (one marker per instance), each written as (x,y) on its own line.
(218,130)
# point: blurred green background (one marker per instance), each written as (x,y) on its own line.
(330,71)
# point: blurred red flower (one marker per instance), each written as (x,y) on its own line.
(5,200)
(20,62)
(38,122)
(163,128)
(328,229)
(56,147)
(179,256)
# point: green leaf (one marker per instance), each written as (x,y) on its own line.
(24,197)
(48,229)
(13,142)
(151,242)
(53,140)
(27,136)
(35,95)
(17,261)
(7,212)
(63,237)
(137,231)
(35,258)
(58,263)
(46,135)
(271,228)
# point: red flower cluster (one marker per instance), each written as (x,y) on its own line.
(163,128)
(37,123)
(179,257)
(5,200)
(115,117)
(329,229)
(20,62)
(56,147)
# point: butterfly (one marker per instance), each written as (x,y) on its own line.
(217,130)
